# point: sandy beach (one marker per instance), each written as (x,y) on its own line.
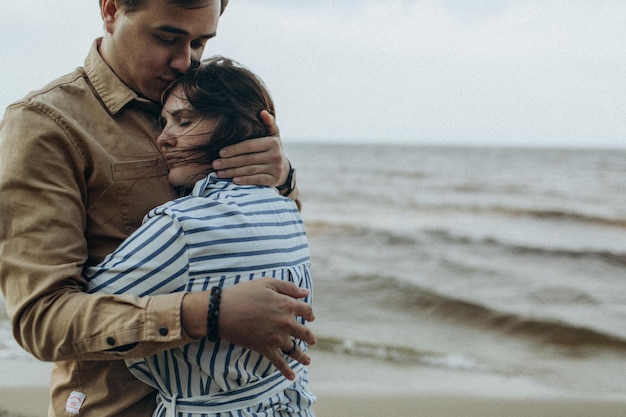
(362,387)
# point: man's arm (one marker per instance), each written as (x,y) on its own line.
(43,183)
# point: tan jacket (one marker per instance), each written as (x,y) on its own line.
(78,171)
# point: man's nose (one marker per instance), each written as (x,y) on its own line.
(181,60)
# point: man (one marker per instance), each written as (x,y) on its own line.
(79,169)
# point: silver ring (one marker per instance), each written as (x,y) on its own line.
(293,349)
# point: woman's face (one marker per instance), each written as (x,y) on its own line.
(183,131)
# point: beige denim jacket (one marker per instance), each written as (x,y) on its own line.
(79,169)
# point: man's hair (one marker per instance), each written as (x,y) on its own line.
(133,5)
(223,89)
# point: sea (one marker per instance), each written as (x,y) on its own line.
(478,260)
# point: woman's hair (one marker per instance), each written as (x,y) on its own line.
(224,90)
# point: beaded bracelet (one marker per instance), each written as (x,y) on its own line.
(213,315)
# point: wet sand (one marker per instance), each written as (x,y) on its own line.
(348,387)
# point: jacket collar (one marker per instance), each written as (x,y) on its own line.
(111,90)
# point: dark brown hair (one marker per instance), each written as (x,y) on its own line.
(131,6)
(223,89)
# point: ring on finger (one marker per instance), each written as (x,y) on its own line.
(293,349)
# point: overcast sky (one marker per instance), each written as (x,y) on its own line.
(450,71)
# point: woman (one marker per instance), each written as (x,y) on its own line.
(216,235)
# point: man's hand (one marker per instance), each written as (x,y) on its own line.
(260,315)
(257,161)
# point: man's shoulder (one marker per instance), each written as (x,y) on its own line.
(59,101)
(58,89)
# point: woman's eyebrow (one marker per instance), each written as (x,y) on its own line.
(182,112)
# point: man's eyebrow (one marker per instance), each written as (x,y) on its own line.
(178,31)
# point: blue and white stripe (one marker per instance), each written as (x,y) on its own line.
(221,234)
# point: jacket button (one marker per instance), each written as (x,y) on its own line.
(163,331)
(111,341)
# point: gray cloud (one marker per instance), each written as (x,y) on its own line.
(523,72)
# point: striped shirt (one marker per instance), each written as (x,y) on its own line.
(219,235)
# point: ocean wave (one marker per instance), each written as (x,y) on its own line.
(608,256)
(412,299)
(561,215)
(394,353)
(330,229)
(555,214)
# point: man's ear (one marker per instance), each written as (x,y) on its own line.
(108,10)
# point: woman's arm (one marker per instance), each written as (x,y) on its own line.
(258,315)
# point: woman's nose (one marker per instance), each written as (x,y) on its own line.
(166,140)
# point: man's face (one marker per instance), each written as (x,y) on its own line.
(151,47)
